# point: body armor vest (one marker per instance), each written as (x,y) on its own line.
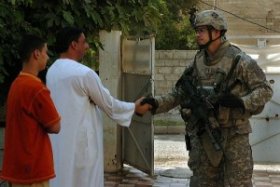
(211,73)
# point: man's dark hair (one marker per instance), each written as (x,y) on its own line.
(64,38)
(28,44)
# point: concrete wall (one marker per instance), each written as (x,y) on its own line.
(263,12)
(110,74)
(169,66)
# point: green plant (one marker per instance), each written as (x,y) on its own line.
(175,32)
(46,17)
(132,17)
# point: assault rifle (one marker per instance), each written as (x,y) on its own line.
(200,107)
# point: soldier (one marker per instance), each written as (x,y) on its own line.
(218,93)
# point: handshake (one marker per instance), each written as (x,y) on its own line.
(145,104)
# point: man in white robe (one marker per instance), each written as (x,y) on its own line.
(80,97)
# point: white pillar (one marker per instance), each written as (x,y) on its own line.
(110,74)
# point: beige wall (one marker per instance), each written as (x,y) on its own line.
(262,12)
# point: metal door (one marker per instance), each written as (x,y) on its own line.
(137,81)
(265,136)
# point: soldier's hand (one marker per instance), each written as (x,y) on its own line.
(141,108)
(231,101)
(151,101)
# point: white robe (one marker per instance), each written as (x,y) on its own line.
(79,96)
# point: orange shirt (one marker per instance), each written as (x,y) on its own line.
(27,153)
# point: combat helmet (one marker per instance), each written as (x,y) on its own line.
(212,18)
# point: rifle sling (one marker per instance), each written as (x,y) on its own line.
(230,73)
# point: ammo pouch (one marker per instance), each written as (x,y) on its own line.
(190,120)
(185,113)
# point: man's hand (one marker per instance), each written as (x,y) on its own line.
(151,101)
(141,108)
(231,101)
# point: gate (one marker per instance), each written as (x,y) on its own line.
(137,81)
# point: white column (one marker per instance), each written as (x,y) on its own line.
(110,74)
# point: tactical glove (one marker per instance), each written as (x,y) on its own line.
(231,101)
(152,101)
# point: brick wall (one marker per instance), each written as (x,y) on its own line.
(169,66)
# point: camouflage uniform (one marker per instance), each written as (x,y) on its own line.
(234,165)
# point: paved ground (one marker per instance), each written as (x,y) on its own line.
(171,168)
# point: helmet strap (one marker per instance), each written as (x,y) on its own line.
(209,29)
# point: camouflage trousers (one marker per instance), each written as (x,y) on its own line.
(235,169)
